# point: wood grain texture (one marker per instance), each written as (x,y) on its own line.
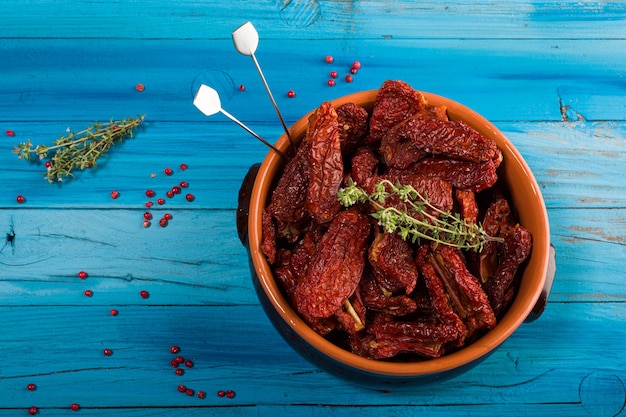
(549,75)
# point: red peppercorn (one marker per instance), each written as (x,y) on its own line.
(221,393)
(107,352)
(184,184)
(182,388)
(179,359)
(114,312)
(149,204)
(174,363)
(88,293)
(329,59)
(353,70)
(190,197)
(20,199)
(150,193)
(331,83)
(333,74)
(348,78)
(82,275)
(356,65)
(10,133)
(33,410)
(183,167)
(160,201)
(291,94)
(189,363)
(176,189)
(48,164)
(190,392)
(201,395)
(140,87)
(230,393)
(146,223)
(174,349)
(74,407)
(147,215)
(144,294)
(169,194)
(115,194)
(179,372)
(167,216)
(163,222)
(168,171)
(31,387)
(242,87)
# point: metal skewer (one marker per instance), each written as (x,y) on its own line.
(207,100)
(246,40)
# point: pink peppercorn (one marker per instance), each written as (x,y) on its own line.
(174,349)
(291,94)
(10,133)
(144,294)
(201,395)
(74,407)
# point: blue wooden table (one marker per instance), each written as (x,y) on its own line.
(551,76)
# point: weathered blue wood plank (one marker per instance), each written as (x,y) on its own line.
(320,19)
(198,258)
(64,359)
(505,80)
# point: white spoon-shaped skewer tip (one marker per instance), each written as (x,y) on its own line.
(207,100)
(246,39)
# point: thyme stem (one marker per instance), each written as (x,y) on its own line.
(79,150)
(417,218)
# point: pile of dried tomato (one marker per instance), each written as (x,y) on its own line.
(372,292)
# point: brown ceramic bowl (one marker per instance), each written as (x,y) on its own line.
(527,306)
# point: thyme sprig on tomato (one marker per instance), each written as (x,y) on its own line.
(78,150)
(416,218)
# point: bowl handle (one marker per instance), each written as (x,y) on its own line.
(243,203)
(547,287)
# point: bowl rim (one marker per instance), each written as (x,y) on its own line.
(470,353)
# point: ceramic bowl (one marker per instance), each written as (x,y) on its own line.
(529,303)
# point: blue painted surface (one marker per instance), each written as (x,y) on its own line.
(550,76)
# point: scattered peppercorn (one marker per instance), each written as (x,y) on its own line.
(184,184)
(150,193)
(182,388)
(221,393)
(174,363)
(179,359)
(333,74)
(179,372)
(329,59)
(176,189)
(356,65)
(33,410)
(31,387)
(201,395)
(163,222)
(114,312)
(160,201)
(75,407)
(146,223)
(190,392)
(189,363)
(115,194)
(88,293)
(190,197)
(291,94)
(174,349)
(82,275)
(167,216)
(107,352)
(149,204)
(230,393)
(183,167)
(20,199)
(144,294)
(331,83)
(140,87)
(10,133)
(168,171)
(348,78)
(242,87)
(169,194)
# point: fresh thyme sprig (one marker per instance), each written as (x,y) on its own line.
(415,220)
(79,150)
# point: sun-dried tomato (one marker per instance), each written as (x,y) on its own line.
(391,259)
(364,164)
(325,163)
(468,207)
(436,190)
(430,136)
(465,175)
(287,202)
(268,242)
(414,331)
(516,248)
(335,271)
(376,300)
(395,101)
(353,121)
